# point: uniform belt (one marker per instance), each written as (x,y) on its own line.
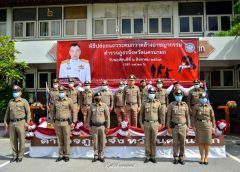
(16,120)
(179,124)
(62,120)
(131,103)
(118,106)
(151,121)
(75,103)
(98,124)
(86,105)
(203,120)
(163,103)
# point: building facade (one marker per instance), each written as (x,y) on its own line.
(38,25)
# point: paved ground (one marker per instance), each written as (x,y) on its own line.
(229,164)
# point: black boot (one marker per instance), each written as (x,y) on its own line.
(13,159)
(181,161)
(19,159)
(175,161)
(101,159)
(153,160)
(66,159)
(59,159)
(94,159)
(146,160)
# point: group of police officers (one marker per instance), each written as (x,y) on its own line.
(153,106)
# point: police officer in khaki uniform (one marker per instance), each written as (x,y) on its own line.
(119,108)
(74,94)
(161,95)
(132,100)
(62,109)
(143,90)
(53,95)
(204,126)
(16,119)
(99,123)
(193,96)
(107,95)
(151,120)
(178,122)
(86,99)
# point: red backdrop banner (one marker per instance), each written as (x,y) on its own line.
(114,60)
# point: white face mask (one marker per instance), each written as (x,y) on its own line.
(151,96)
(87,87)
(121,87)
(71,85)
(159,85)
(196,86)
(104,87)
(55,86)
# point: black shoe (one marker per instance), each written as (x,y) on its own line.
(13,160)
(19,160)
(200,162)
(94,160)
(175,161)
(153,160)
(205,163)
(146,160)
(59,159)
(66,159)
(101,159)
(181,162)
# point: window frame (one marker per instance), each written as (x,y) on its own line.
(48,81)
(219,21)
(160,25)
(75,27)
(132,25)
(35,81)
(191,24)
(222,79)
(5,23)
(50,28)
(24,29)
(104,27)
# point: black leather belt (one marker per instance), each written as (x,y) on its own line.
(62,120)
(131,104)
(98,124)
(151,121)
(179,124)
(203,120)
(17,120)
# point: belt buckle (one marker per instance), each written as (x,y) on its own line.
(179,125)
(204,120)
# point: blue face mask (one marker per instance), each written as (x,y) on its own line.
(16,95)
(203,100)
(178,98)
(151,96)
(61,95)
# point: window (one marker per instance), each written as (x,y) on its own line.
(75,21)
(30,80)
(24,23)
(219,15)
(3,22)
(219,23)
(132,26)
(106,26)
(44,77)
(222,78)
(50,21)
(159,25)
(191,24)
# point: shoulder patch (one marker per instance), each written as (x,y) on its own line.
(84,60)
(65,61)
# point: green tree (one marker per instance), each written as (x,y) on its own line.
(11,72)
(235,30)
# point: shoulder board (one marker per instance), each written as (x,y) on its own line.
(84,60)
(65,61)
